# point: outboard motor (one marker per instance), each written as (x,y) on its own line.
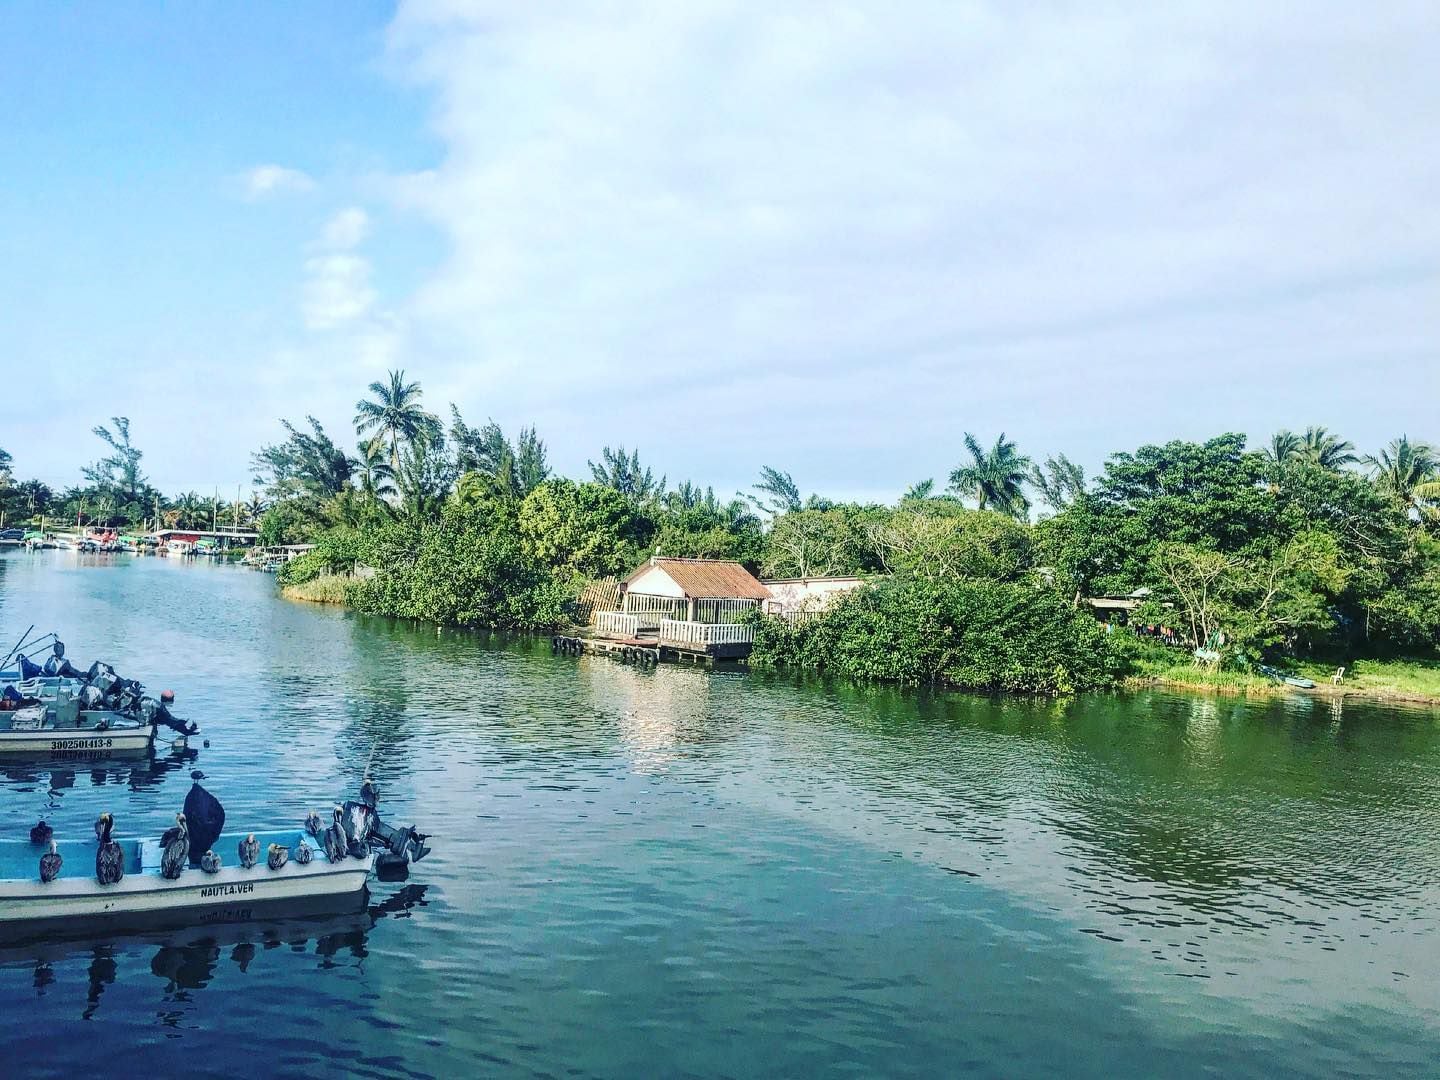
(205,817)
(364,829)
(158,712)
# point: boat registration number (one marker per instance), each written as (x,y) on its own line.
(81,744)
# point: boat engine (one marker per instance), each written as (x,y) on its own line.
(365,831)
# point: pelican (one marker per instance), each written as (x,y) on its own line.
(312,824)
(176,849)
(110,859)
(210,862)
(41,833)
(276,856)
(249,851)
(335,840)
(304,853)
(50,864)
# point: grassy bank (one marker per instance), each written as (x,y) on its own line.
(1407,680)
(325,589)
(1412,680)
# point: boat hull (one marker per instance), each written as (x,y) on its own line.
(78,745)
(83,906)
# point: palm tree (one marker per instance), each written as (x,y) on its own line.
(377,478)
(395,416)
(1285,446)
(995,478)
(1408,471)
(1319,447)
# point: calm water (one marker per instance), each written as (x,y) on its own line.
(675,873)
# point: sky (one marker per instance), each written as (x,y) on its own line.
(828,237)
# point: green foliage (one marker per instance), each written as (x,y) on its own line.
(627,476)
(994,478)
(588,530)
(980,635)
(461,573)
(941,539)
(395,418)
(336,552)
(817,543)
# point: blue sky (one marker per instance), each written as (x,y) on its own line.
(825,237)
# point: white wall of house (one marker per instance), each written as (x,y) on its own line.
(656,582)
(808,594)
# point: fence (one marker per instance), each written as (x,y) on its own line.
(652,609)
(617,624)
(679,632)
(603,594)
(723,611)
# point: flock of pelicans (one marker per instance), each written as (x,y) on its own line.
(175,849)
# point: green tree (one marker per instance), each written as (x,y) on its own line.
(1059,481)
(1285,447)
(120,471)
(588,530)
(307,466)
(780,491)
(626,475)
(1328,451)
(395,416)
(938,541)
(1406,471)
(994,478)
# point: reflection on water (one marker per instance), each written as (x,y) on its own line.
(643,872)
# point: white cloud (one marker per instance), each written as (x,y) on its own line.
(264,181)
(337,290)
(346,230)
(911,208)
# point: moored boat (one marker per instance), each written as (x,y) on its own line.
(76,902)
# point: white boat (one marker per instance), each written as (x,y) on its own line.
(179,547)
(75,902)
(55,726)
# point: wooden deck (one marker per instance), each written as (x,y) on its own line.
(623,636)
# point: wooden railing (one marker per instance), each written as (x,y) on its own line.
(617,624)
(696,633)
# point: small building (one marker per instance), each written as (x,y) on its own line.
(691,590)
(789,596)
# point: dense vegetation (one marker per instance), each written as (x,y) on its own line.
(1301,551)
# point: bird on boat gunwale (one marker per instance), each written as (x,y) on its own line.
(176,849)
(110,858)
(41,833)
(304,853)
(336,843)
(50,864)
(249,851)
(276,856)
(313,824)
(210,862)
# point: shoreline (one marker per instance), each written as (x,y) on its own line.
(1275,690)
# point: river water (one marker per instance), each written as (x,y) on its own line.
(678,873)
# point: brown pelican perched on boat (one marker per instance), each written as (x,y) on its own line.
(110,859)
(249,851)
(175,853)
(50,864)
(337,844)
(276,856)
(41,833)
(210,862)
(313,824)
(304,853)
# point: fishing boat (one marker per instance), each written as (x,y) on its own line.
(1281,677)
(178,547)
(76,902)
(51,722)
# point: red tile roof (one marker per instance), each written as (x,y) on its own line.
(708,578)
